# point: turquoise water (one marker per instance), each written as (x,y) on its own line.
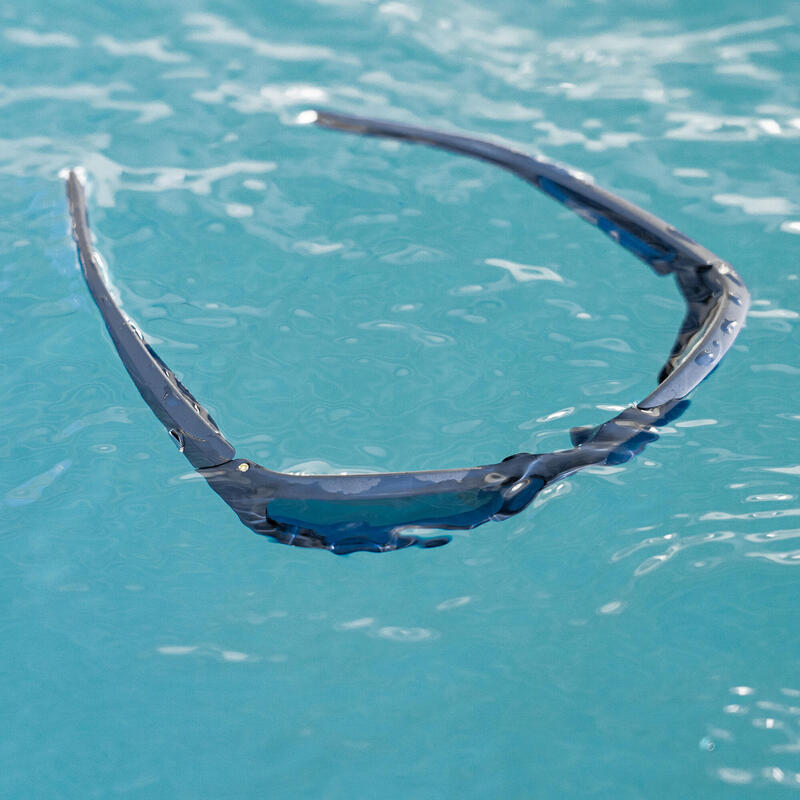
(341,303)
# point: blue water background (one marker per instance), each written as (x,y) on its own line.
(341,303)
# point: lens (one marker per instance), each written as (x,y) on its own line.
(459,509)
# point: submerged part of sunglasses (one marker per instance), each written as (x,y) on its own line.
(379,512)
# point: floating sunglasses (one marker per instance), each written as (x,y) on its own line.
(381,512)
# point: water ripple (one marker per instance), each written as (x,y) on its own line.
(146,48)
(757,734)
(31,490)
(212,28)
(96,96)
(31,38)
(376,307)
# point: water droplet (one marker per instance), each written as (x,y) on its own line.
(517,487)
(705,358)
(728,325)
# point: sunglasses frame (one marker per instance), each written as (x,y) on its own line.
(375,512)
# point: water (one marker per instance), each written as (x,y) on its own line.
(340,304)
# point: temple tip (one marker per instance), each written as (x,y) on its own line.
(307,117)
(70,174)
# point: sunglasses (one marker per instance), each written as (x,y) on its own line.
(381,512)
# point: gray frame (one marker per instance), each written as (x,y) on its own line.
(346,513)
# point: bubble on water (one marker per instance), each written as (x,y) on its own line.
(707,743)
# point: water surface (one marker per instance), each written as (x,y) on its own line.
(342,304)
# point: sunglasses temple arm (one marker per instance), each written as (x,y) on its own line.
(717,299)
(187,422)
(645,235)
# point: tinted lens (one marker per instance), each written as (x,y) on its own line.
(464,508)
(445,508)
